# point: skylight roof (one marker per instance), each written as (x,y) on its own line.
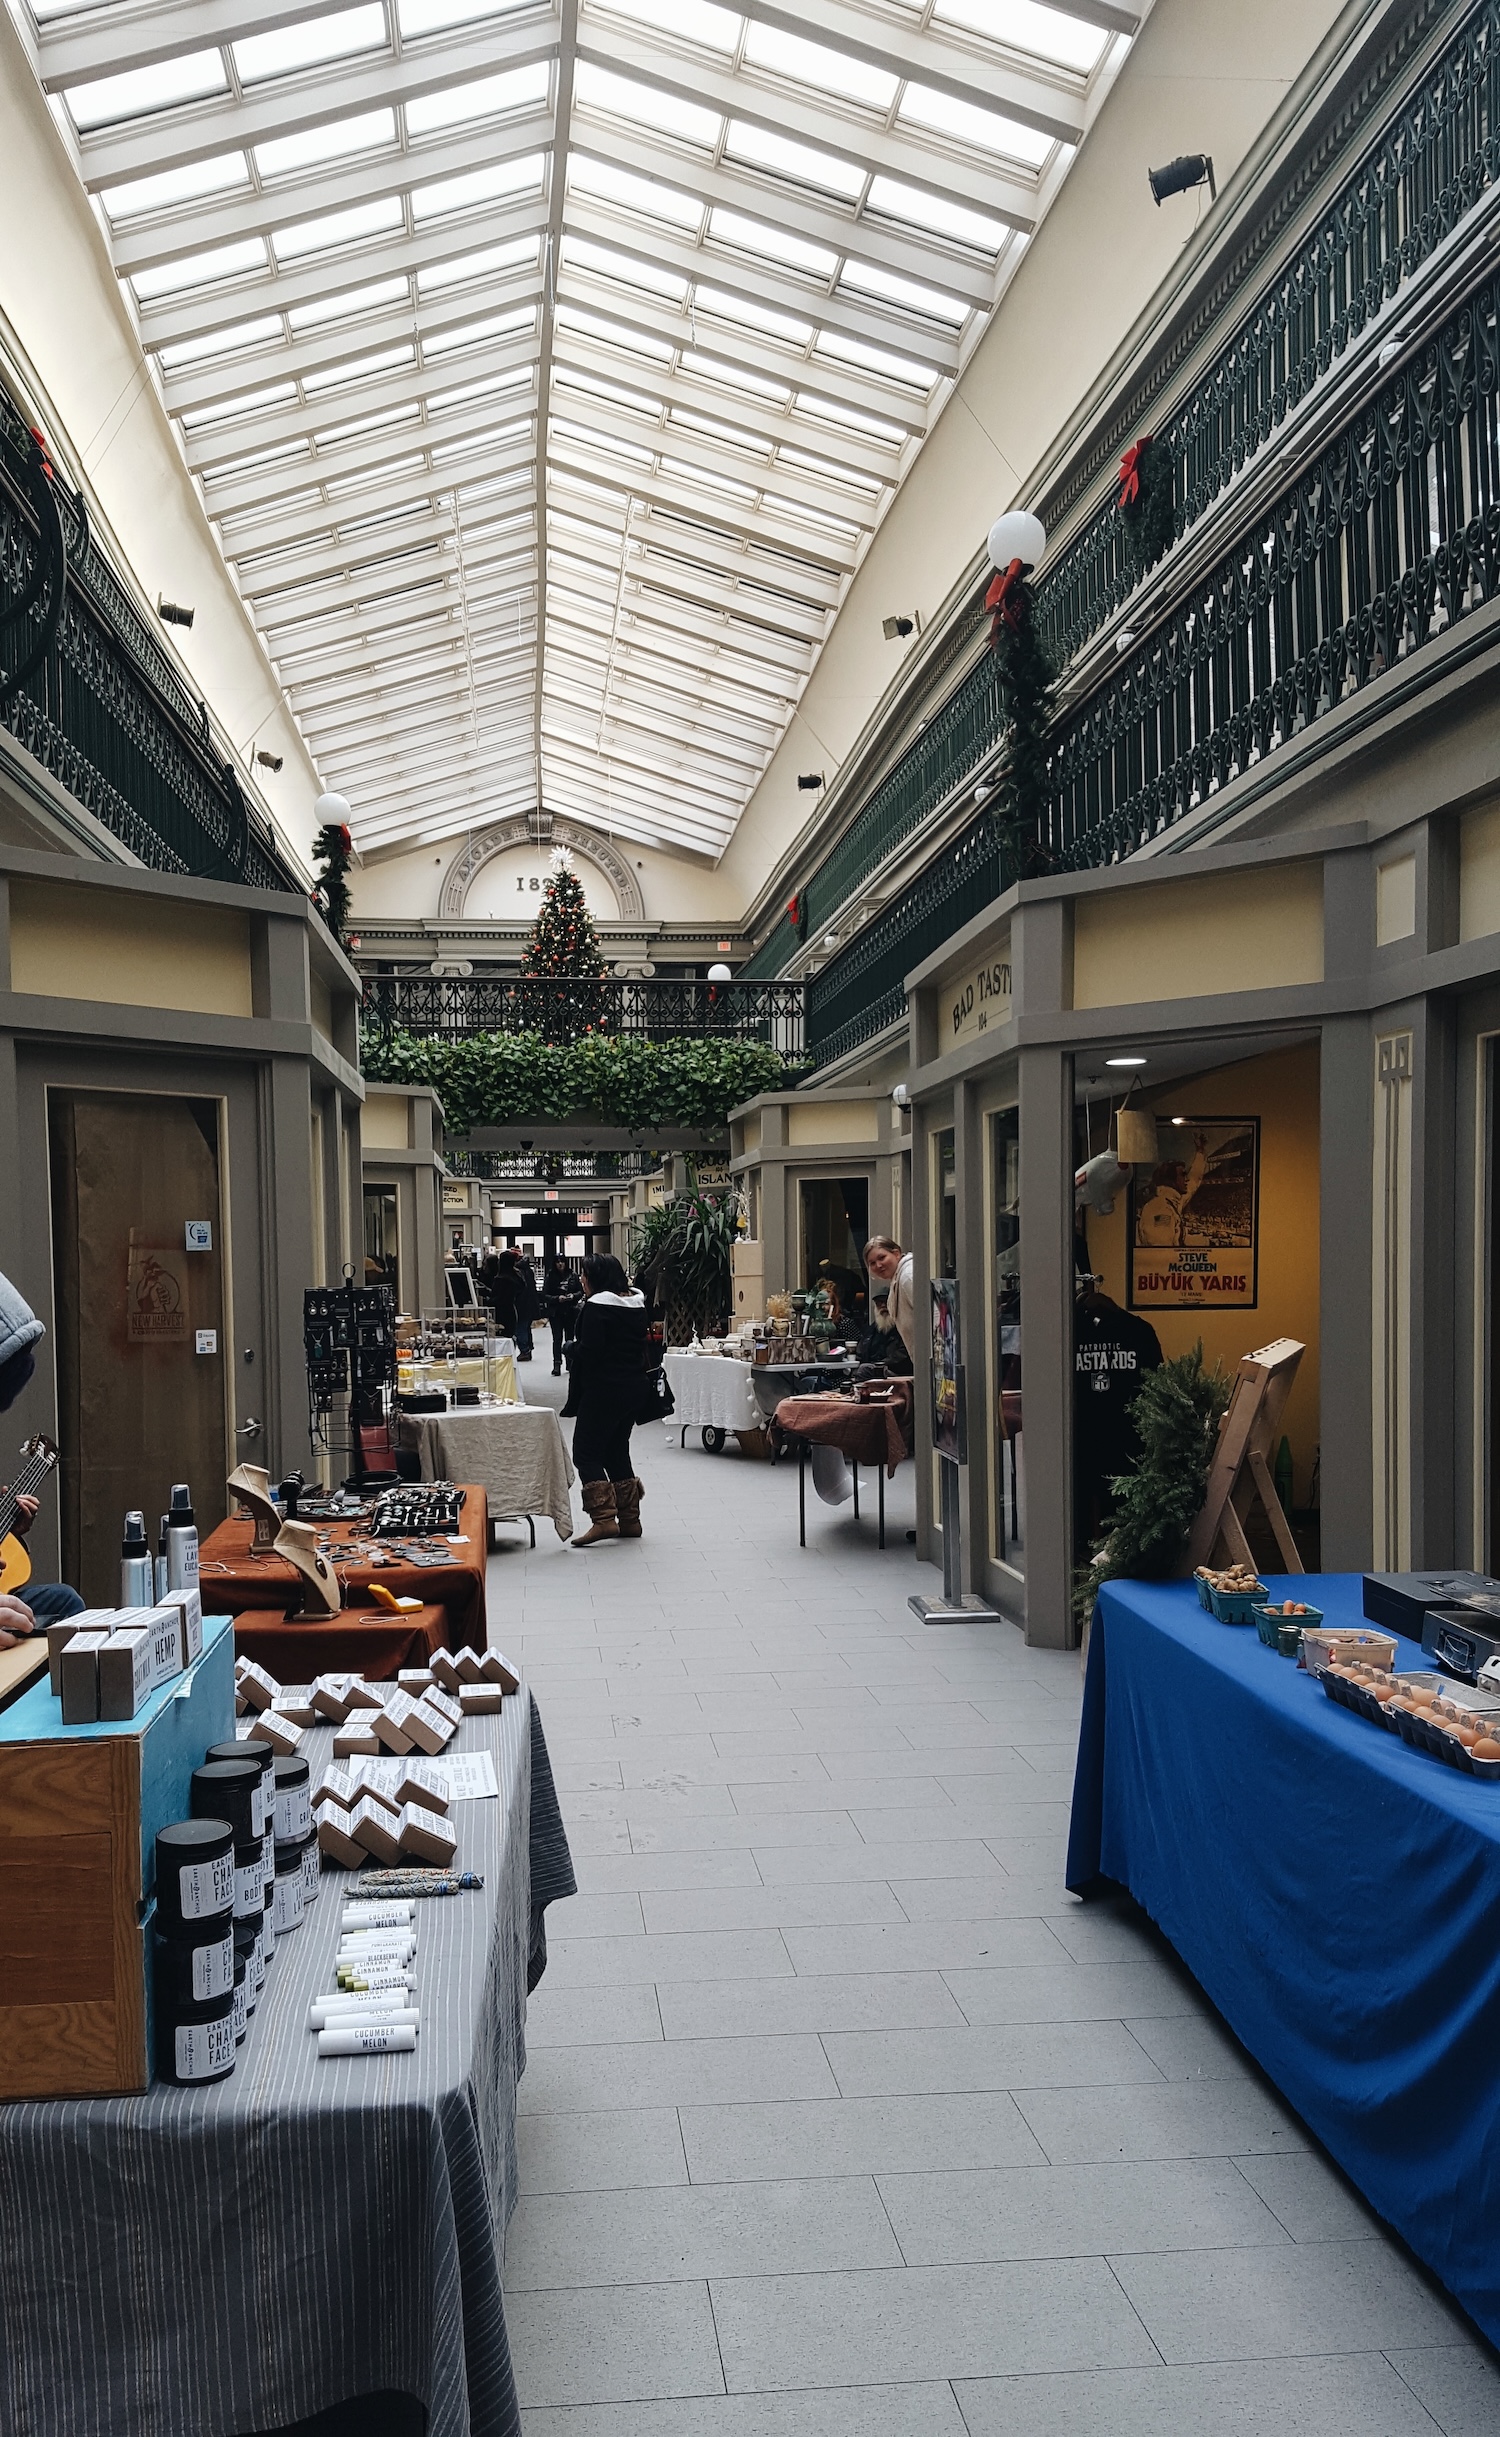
(624,319)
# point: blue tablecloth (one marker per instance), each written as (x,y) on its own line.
(1336,1893)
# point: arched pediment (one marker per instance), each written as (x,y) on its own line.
(616,868)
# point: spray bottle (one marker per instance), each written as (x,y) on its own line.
(137,1575)
(182,1541)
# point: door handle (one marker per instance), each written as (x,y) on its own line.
(249,1428)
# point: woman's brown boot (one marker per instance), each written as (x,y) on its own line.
(628,1496)
(599,1505)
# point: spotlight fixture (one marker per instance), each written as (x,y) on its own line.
(269,761)
(171,613)
(1124,1061)
(1188,170)
(896,630)
(809,778)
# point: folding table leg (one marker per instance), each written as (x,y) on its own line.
(880,1483)
(802,1495)
(856,1493)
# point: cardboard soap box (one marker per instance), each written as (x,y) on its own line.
(79,1810)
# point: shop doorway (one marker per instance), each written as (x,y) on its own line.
(1006,1435)
(138,1289)
(835,1228)
(382,1238)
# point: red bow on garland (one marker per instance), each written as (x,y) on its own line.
(1130,472)
(42,452)
(1005,597)
(794,911)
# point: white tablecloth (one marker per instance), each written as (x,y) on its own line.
(713,1392)
(515,1452)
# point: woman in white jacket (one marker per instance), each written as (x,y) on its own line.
(884,1259)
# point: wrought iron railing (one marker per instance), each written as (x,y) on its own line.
(1410,186)
(861,993)
(103,709)
(456,1006)
(564,1168)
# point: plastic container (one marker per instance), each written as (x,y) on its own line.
(229,1789)
(289,1900)
(195,1971)
(264,1759)
(247,1952)
(293,1781)
(240,2015)
(1289,1637)
(195,2043)
(312,1871)
(1235,1607)
(249,1883)
(1321,1642)
(194,1876)
(1270,1620)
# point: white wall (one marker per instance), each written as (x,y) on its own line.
(59,293)
(1203,76)
(410,885)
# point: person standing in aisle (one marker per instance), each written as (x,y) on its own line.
(528,1303)
(884,1259)
(606,1382)
(561,1296)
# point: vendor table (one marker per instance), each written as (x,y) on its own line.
(1336,1892)
(867,1434)
(247,2254)
(713,1393)
(516,1451)
(362,1641)
(234,1579)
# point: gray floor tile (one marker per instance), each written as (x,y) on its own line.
(754,2143)
(833,1831)
(875,2326)
(650,1871)
(1191,2048)
(576,2017)
(1073,1992)
(862,1793)
(955,1858)
(725,2229)
(1169,2120)
(617,2343)
(812,2001)
(625,2151)
(1252,2305)
(1063,2212)
(1041,2057)
(595,1915)
(772,1907)
(1093,1934)
(1348,2395)
(986,1819)
(675,2073)
(1458,2384)
(1312,2199)
(853,2411)
(924,1946)
(708,1954)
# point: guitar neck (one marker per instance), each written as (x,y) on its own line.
(30,1477)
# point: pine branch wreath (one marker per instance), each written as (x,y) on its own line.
(1147,503)
(1176,1417)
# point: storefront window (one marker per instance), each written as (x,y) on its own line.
(1010,1468)
(381,1244)
(835,1225)
(945,1242)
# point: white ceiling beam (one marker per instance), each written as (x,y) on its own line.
(314,574)
(760,693)
(1034,96)
(203,310)
(83,48)
(758,283)
(713,807)
(287,105)
(806,625)
(777,203)
(330,705)
(781,673)
(652,692)
(414,785)
(720,458)
(416,482)
(340,617)
(265,487)
(717,757)
(220,385)
(313,664)
(758,415)
(737,518)
(978,184)
(367,758)
(810,587)
(364,730)
(324,349)
(224,441)
(494,797)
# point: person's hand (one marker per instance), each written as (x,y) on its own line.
(27,1510)
(16,1621)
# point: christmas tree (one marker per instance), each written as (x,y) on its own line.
(563,939)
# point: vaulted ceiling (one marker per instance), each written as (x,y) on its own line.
(547,365)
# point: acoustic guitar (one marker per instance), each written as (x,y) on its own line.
(15,1564)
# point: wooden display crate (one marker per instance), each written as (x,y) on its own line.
(79,1810)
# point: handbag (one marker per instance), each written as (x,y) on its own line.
(656,1402)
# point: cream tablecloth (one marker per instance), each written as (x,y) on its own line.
(713,1392)
(515,1451)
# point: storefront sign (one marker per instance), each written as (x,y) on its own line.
(455,1197)
(1195,1217)
(155,1312)
(977,1003)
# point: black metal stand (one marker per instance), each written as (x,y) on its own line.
(957,1606)
(880,1489)
(802,1493)
(854,1468)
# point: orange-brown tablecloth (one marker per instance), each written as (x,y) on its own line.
(871,1434)
(363,1641)
(234,1580)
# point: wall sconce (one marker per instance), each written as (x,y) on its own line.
(171,613)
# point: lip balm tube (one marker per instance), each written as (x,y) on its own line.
(373,2039)
(399,1989)
(360,1915)
(326,2015)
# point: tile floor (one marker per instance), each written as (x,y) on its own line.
(842,2119)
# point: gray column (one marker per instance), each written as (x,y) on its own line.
(976,1320)
(1346,1121)
(919,1239)
(1435,1375)
(287,1262)
(1046,1114)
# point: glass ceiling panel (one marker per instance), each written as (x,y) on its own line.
(707,346)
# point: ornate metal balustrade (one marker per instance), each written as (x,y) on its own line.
(558,1168)
(103,709)
(861,992)
(1410,186)
(658,1010)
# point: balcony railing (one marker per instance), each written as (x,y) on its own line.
(568,1168)
(104,710)
(1410,186)
(457,1006)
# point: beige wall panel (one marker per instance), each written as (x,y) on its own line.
(385,1123)
(830,1121)
(750,1130)
(1199,938)
(321,1003)
(1479,873)
(128,952)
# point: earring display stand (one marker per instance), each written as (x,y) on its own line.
(1240,1472)
(322,1596)
(251,1484)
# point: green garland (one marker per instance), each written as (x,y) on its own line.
(1147,504)
(1028,686)
(333,849)
(1176,1416)
(503,1078)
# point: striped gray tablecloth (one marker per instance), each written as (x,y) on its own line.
(208,2263)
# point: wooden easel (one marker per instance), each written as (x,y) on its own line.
(1241,1472)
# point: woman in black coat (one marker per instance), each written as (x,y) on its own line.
(606,1380)
(561,1295)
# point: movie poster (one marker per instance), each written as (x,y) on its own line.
(1195,1217)
(947,1423)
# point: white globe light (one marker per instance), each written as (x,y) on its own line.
(1017,535)
(331,808)
(719,973)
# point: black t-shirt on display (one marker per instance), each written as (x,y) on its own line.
(1112,1352)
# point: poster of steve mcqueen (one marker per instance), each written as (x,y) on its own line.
(1195,1217)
